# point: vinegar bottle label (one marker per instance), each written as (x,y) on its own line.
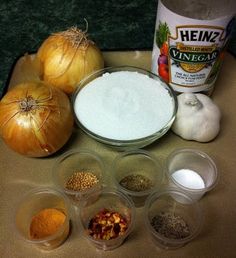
(187,52)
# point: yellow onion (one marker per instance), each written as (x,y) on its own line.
(67,57)
(35,119)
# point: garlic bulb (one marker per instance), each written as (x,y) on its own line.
(198,117)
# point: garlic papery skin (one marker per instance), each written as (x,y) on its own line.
(197,118)
(191,100)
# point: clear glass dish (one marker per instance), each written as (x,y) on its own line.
(113,201)
(133,143)
(137,167)
(33,202)
(179,222)
(193,165)
(77,160)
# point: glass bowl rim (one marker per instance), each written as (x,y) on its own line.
(132,141)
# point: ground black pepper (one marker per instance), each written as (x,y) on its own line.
(136,182)
(170,225)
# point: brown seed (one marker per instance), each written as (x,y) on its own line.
(136,182)
(80,181)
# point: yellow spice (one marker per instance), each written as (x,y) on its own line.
(46,223)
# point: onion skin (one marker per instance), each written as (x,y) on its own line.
(36,119)
(68,57)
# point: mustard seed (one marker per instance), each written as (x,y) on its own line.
(80,181)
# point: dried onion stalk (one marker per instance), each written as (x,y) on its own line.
(67,57)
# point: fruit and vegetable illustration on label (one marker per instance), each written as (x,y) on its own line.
(188,53)
(161,40)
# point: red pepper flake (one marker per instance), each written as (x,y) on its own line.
(106,225)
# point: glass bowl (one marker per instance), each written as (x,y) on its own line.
(80,161)
(124,98)
(137,173)
(170,223)
(108,200)
(35,201)
(192,171)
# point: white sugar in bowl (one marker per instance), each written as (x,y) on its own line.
(124,107)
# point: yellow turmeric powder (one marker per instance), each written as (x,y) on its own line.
(46,223)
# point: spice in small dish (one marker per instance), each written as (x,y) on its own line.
(80,181)
(106,225)
(46,223)
(136,182)
(170,225)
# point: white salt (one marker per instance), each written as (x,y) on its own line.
(188,178)
(124,106)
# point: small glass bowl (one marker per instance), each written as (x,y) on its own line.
(129,166)
(32,203)
(165,202)
(78,160)
(122,145)
(197,166)
(112,200)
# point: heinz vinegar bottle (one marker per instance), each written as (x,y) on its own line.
(190,40)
